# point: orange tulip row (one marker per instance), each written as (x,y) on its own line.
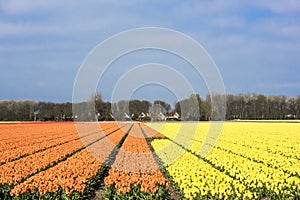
(16,131)
(8,155)
(135,166)
(21,135)
(124,181)
(13,172)
(151,133)
(72,174)
(135,154)
(46,141)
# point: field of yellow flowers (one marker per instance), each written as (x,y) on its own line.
(248,160)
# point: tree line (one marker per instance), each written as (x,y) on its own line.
(195,108)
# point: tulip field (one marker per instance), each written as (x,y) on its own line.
(250,160)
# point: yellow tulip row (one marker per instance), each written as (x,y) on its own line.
(255,151)
(255,159)
(277,138)
(196,177)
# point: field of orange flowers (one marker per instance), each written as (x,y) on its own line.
(53,161)
(135,169)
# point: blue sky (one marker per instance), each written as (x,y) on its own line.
(255,44)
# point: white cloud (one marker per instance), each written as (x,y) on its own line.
(57,18)
(9,29)
(226,6)
(278,6)
(17,7)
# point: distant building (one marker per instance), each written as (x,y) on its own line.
(144,117)
(290,116)
(173,116)
(111,115)
(126,117)
(158,116)
(162,117)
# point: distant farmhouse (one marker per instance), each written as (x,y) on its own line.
(158,117)
(173,116)
(144,117)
